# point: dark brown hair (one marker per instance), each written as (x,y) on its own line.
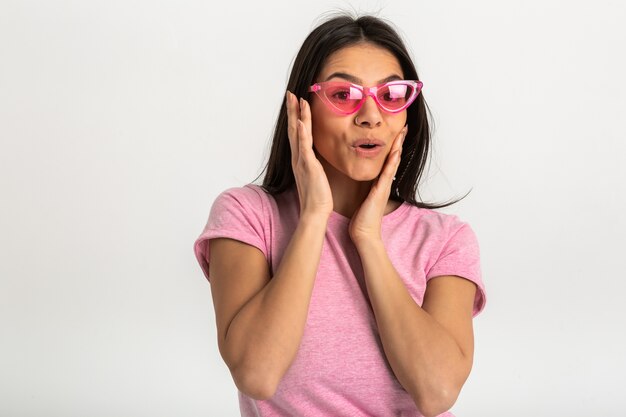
(336,33)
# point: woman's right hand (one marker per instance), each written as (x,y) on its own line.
(313,188)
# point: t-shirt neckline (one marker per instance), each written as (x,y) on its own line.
(398,211)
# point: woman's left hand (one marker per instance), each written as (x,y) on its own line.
(366,222)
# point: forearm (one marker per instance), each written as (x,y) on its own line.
(425,358)
(264,336)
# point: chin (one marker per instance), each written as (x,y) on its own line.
(364,176)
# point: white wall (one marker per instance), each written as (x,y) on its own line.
(119,127)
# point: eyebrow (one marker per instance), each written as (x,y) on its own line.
(357,80)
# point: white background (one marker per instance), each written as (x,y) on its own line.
(121,121)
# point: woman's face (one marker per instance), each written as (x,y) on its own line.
(337,137)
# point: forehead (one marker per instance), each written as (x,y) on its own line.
(367,62)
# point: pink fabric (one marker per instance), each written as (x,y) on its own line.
(340,368)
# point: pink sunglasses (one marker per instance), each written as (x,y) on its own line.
(346,98)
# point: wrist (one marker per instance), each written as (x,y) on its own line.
(315,219)
(369,243)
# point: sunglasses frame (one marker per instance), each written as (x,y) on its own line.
(318,88)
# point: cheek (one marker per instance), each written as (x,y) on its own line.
(323,125)
(400,120)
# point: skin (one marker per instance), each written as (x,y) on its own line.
(260,321)
(351,177)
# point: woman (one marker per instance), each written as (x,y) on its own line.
(336,293)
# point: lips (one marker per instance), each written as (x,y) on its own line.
(367,143)
(368,147)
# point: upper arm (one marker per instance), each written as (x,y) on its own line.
(449,300)
(238,272)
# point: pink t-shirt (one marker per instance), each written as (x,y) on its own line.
(340,368)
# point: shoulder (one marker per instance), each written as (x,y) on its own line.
(253,202)
(250,197)
(249,192)
(434,222)
(437,243)
(247,202)
(435,234)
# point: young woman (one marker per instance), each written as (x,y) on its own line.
(336,293)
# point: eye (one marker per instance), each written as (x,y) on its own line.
(388,97)
(340,95)
(343,93)
(394,93)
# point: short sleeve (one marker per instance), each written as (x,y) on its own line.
(239,214)
(460,256)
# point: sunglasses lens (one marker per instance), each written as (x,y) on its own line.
(395,97)
(343,96)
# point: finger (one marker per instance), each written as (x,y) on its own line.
(293,110)
(305,116)
(293,114)
(392,163)
(397,143)
(396,148)
(304,150)
(306,137)
(400,142)
(389,171)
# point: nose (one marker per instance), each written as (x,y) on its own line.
(369,114)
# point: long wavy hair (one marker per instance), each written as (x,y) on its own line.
(330,36)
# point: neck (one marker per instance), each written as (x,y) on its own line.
(348,194)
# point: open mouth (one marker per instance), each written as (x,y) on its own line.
(368,147)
